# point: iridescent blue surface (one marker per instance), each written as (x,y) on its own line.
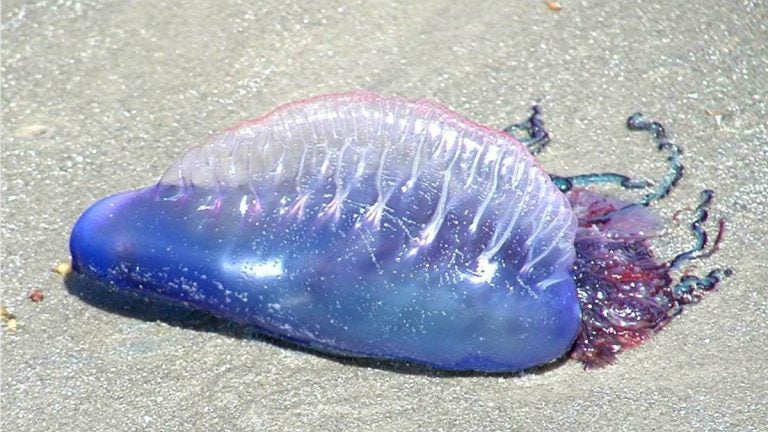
(449,247)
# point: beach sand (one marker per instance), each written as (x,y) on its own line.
(100,96)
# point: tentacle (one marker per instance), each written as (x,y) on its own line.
(700,234)
(565,184)
(637,122)
(690,287)
(536,137)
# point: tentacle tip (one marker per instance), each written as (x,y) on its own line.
(636,121)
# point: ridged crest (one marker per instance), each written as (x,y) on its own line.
(347,137)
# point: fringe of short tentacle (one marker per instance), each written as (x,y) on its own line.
(626,295)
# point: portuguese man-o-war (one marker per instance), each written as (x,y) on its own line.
(362,225)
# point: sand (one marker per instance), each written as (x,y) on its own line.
(100,96)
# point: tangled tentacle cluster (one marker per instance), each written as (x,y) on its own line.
(626,295)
